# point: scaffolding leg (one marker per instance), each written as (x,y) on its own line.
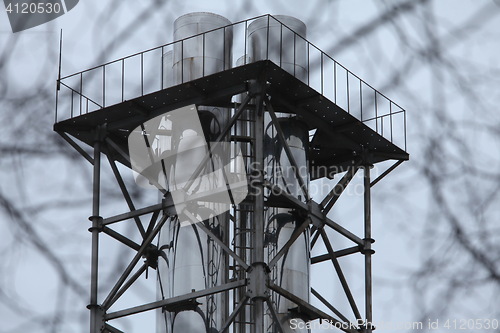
(259,207)
(96,317)
(367,251)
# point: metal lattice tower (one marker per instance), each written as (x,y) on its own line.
(293,114)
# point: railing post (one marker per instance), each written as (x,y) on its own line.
(104,86)
(347,79)
(142,74)
(58,87)
(361,99)
(281,47)
(267,44)
(335,82)
(203,58)
(161,66)
(223,48)
(182,60)
(322,79)
(404,113)
(123,79)
(376,111)
(81,91)
(390,118)
(72,102)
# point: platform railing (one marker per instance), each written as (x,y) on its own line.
(144,72)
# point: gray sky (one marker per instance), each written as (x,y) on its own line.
(466,33)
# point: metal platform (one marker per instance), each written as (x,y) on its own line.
(338,137)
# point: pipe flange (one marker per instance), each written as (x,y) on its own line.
(257,281)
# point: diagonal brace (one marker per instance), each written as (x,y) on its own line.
(340,274)
(215,144)
(296,234)
(145,245)
(338,189)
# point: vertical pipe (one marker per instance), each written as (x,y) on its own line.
(203,44)
(95,323)
(367,251)
(281,40)
(259,206)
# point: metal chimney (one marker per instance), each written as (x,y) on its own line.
(204,54)
(281,39)
(192,261)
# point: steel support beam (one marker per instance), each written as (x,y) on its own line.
(77,147)
(338,189)
(299,205)
(309,310)
(337,254)
(343,231)
(129,283)
(96,320)
(367,250)
(121,238)
(137,212)
(111,329)
(126,195)
(386,172)
(214,145)
(145,245)
(233,315)
(329,305)
(296,234)
(341,276)
(175,300)
(222,245)
(258,183)
(315,237)
(274,315)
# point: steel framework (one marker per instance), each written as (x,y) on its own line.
(340,144)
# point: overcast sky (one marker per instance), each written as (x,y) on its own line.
(100,31)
